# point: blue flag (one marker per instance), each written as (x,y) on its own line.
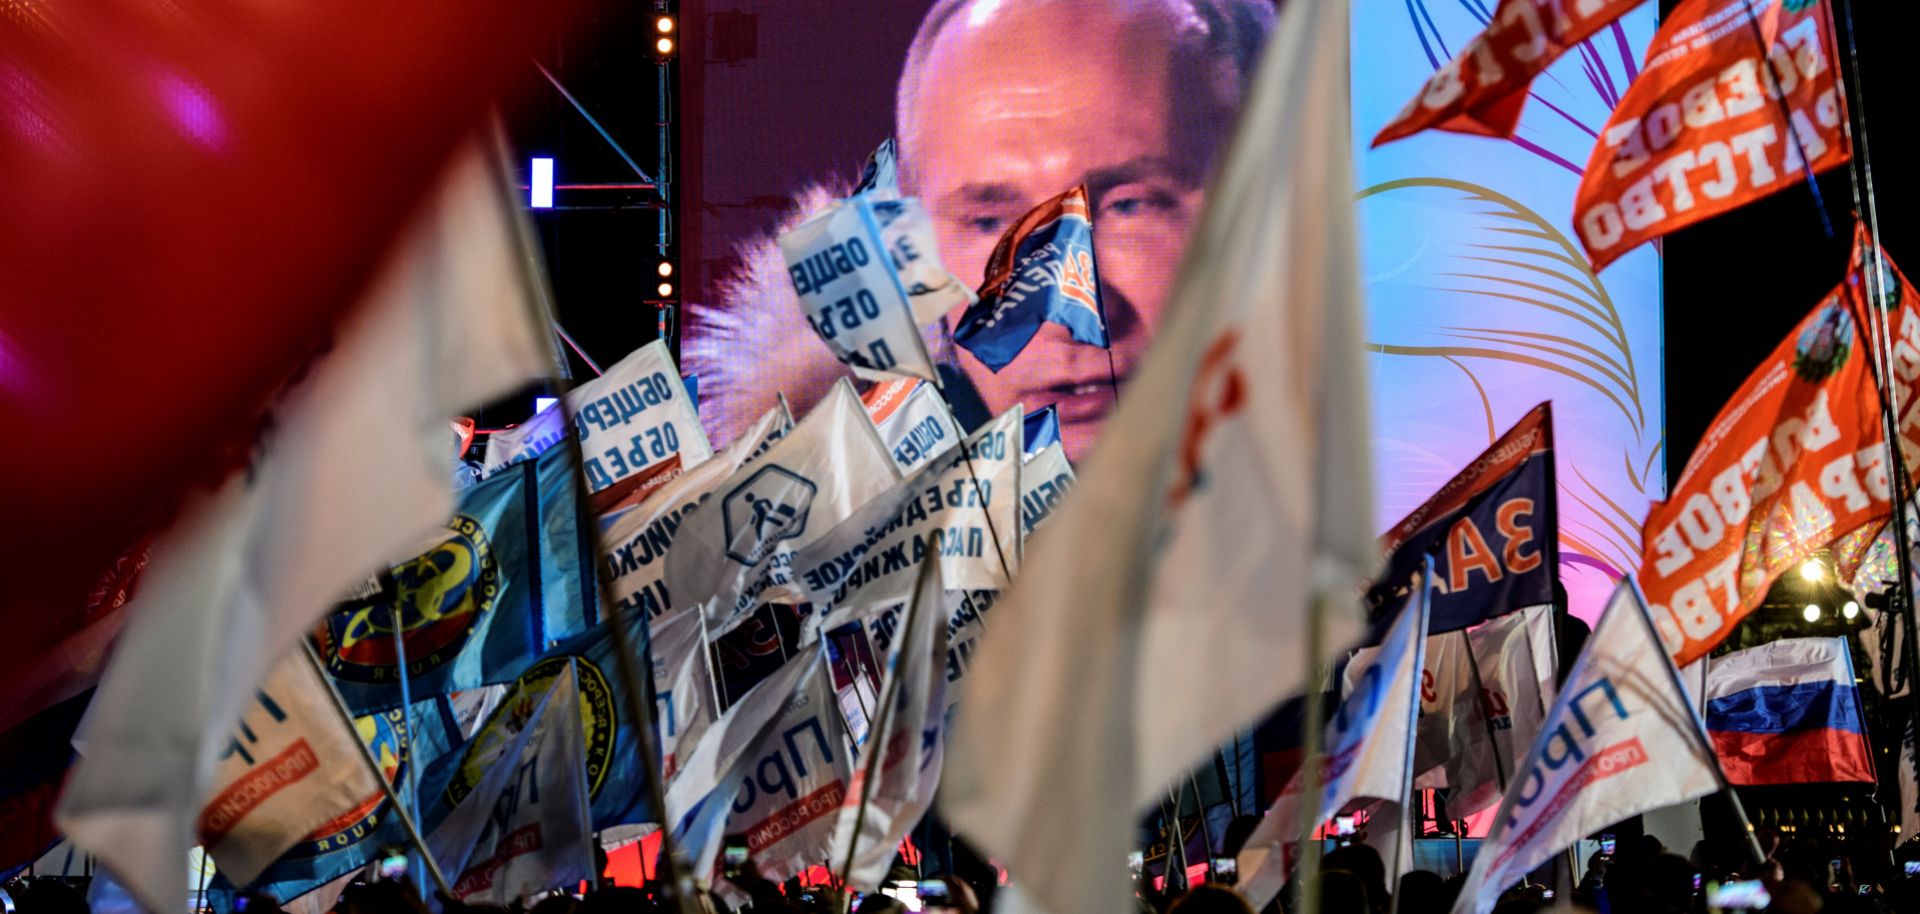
(1493,533)
(355,838)
(880,177)
(1042,428)
(512,574)
(1042,270)
(616,784)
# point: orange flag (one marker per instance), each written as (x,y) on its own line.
(1795,461)
(1704,128)
(1484,87)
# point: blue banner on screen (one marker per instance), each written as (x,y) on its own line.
(1043,428)
(1492,532)
(1042,270)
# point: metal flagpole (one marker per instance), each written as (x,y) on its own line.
(1699,729)
(389,586)
(877,735)
(1404,840)
(407,821)
(1176,841)
(1786,116)
(1486,713)
(967,456)
(713,669)
(1306,877)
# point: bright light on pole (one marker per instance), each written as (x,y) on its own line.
(541,189)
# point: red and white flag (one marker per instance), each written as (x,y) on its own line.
(353,473)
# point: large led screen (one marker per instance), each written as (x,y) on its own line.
(1480,304)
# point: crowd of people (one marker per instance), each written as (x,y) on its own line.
(1800,875)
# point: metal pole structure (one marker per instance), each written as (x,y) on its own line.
(389,586)
(1486,713)
(1306,877)
(1404,840)
(407,821)
(1176,839)
(890,695)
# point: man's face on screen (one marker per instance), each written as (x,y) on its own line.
(1018,102)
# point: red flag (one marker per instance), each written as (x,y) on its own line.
(1703,130)
(1482,89)
(197,189)
(1795,461)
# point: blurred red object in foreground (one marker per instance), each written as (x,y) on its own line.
(193,192)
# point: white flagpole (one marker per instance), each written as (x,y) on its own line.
(373,766)
(1306,877)
(392,587)
(877,734)
(1404,840)
(586,796)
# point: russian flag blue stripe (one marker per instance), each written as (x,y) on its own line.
(1820,705)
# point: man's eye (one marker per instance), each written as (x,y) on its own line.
(986,225)
(1136,200)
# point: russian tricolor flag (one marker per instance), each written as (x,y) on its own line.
(1787,712)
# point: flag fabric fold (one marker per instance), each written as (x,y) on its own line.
(1228,493)
(916,425)
(850,291)
(354,468)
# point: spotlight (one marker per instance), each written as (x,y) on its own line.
(540,404)
(1812,571)
(1850,610)
(666,268)
(664,45)
(540,189)
(1811,613)
(663,25)
(666,289)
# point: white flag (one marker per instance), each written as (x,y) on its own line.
(1367,755)
(635,417)
(1473,746)
(959,509)
(354,471)
(916,427)
(1227,490)
(1622,738)
(527,827)
(289,766)
(852,296)
(635,564)
(700,801)
(682,685)
(908,232)
(910,760)
(1045,478)
(732,552)
(793,780)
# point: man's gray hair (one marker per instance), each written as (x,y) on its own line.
(1231,31)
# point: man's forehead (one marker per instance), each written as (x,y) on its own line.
(1091,24)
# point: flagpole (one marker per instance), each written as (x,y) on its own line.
(1786,115)
(1404,840)
(407,821)
(967,456)
(1306,876)
(877,736)
(1486,713)
(1698,731)
(390,586)
(1860,179)
(1175,839)
(585,797)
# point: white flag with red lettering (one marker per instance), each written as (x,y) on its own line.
(290,766)
(1167,606)
(1622,738)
